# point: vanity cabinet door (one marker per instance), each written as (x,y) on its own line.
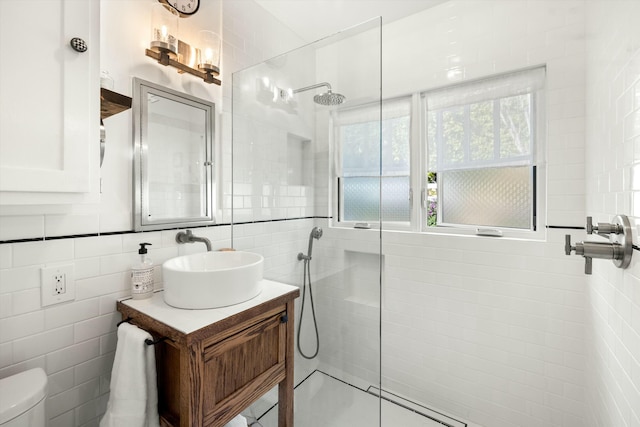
(242,367)
(49,103)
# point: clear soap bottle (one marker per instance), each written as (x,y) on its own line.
(142,274)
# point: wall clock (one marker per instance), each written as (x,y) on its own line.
(185,8)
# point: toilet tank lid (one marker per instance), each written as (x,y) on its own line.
(21,392)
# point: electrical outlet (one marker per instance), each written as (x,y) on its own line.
(58,284)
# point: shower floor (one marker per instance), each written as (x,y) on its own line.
(324,401)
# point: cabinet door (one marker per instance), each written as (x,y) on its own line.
(241,368)
(49,104)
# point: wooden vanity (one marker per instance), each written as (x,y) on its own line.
(215,363)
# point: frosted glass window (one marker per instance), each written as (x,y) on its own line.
(480,151)
(362,198)
(494,197)
(368,149)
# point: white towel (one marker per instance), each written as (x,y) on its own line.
(238,421)
(133,401)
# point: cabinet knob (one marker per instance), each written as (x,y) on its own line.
(78,44)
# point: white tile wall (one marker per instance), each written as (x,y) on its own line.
(21,227)
(613,338)
(490,330)
(267,184)
(75,342)
(490,37)
(498,326)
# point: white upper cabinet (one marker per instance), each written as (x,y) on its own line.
(49,102)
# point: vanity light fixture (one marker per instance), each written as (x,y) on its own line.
(164,30)
(209,61)
(167,49)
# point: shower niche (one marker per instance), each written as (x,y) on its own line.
(299,160)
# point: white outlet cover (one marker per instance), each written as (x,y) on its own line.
(47,284)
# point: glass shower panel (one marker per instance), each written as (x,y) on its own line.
(281,196)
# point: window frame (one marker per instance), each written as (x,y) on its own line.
(337,200)
(537,165)
(418,152)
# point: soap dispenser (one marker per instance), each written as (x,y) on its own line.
(142,274)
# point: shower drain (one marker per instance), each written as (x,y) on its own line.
(387,396)
(415,407)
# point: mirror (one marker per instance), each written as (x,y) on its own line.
(173,158)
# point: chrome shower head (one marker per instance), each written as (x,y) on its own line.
(328,98)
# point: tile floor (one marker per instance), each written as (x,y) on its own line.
(323,401)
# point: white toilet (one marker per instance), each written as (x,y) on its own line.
(22,399)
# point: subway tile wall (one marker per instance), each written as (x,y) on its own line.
(273,140)
(466,40)
(489,330)
(485,329)
(75,342)
(612,165)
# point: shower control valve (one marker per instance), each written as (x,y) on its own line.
(619,248)
(579,250)
(603,228)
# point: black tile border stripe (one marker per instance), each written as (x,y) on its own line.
(115,233)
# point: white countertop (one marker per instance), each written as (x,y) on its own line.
(188,321)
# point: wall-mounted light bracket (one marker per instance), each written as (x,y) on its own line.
(268,93)
(165,59)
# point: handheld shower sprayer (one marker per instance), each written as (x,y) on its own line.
(316,233)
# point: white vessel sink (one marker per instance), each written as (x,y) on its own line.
(212,279)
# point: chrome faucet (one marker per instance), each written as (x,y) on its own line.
(188,237)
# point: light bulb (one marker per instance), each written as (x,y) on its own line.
(210,44)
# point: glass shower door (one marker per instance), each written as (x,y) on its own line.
(286,196)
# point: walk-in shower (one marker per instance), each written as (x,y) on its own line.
(316,233)
(472,330)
